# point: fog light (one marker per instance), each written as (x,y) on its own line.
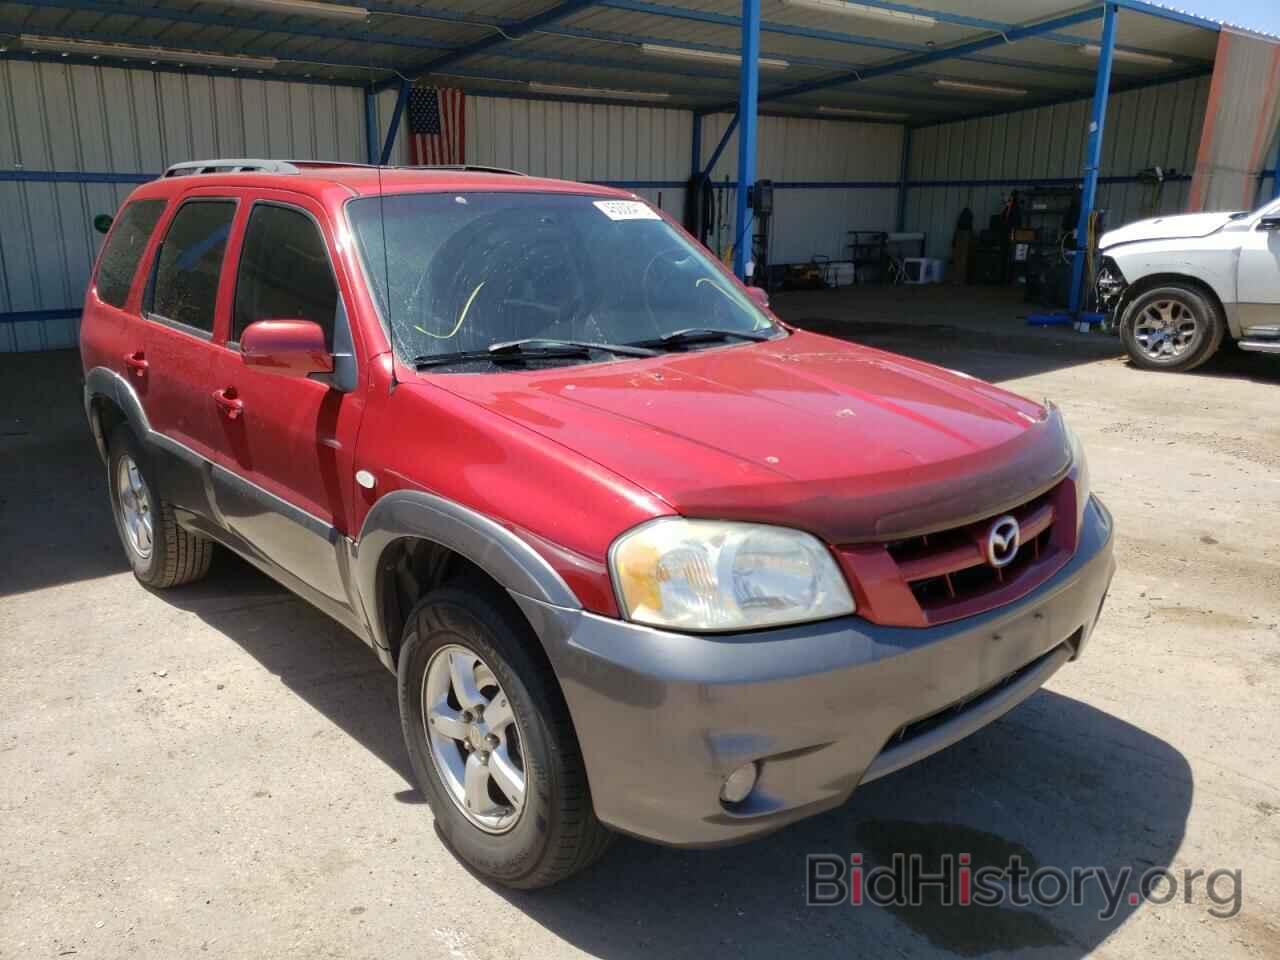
(739,783)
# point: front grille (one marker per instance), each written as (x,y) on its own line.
(951,566)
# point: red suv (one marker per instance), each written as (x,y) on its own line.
(643,557)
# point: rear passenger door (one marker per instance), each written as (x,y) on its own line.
(287,453)
(170,351)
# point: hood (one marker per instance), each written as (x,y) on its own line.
(845,441)
(1182,226)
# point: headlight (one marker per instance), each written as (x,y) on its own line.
(710,575)
(1080,475)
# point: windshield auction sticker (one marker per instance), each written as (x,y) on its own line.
(625,210)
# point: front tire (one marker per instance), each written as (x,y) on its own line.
(490,740)
(161,553)
(1174,328)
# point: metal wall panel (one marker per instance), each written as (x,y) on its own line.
(647,149)
(809,220)
(1146,127)
(1240,121)
(75,119)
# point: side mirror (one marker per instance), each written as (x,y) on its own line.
(102,223)
(1269,223)
(291,348)
(759,296)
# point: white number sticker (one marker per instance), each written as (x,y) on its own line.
(625,210)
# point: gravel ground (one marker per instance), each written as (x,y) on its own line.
(218,769)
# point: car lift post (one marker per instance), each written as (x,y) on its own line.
(748,94)
(1093,157)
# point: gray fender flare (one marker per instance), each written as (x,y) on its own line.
(103,382)
(509,560)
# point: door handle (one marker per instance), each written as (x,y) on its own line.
(228,403)
(137,362)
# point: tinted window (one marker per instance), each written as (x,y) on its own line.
(284,271)
(124,248)
(190,261)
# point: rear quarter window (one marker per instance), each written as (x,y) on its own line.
(124,248)
(189,265)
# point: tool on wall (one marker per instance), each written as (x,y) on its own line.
(760,200)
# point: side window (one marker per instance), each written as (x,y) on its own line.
(120,256)
(185,287)
(284,272)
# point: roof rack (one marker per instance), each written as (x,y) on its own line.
(472,167)
(192,168)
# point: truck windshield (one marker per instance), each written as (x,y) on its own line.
(458,273)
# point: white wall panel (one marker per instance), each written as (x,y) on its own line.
(809,221)
(1147,127)
(80,119)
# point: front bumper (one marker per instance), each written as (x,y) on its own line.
(663,717)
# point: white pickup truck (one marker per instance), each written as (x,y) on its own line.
(1177,285)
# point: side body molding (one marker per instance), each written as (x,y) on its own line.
(489,545)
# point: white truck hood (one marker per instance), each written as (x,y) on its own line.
(1184,225)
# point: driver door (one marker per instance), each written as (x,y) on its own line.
(286,443)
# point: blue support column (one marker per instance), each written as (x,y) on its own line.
(902,180)
(695,164)
(1093,155)
(394,129)
(371,127)
(748,96)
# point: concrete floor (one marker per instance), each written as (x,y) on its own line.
(219,768)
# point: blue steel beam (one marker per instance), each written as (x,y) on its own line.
(936,56)
(248,49)
(747,100)
(903,181)
(292,28)
(513,32)
(724,142)
(768,26)
(1116,87)
(370,127)
(695,160)
(393,129)
(1093,154)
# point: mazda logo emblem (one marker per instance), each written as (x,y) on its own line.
(1003,540)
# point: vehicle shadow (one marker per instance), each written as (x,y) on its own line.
(1235,364)
(1057,783)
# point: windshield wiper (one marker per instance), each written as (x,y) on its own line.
(533,348)
(620,349)
(703,335)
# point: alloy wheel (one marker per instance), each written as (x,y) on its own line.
(136,511)
(475,740)
(1167,330)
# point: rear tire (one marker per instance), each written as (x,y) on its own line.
(1174,327)
(546,832)
(161,553)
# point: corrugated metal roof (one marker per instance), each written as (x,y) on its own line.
(492,45)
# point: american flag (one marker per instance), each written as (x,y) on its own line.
(437,126)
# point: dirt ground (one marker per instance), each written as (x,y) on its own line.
(218,770)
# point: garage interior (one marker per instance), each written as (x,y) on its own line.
(235,780)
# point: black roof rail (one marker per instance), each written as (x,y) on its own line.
(472,167)
(191,168)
